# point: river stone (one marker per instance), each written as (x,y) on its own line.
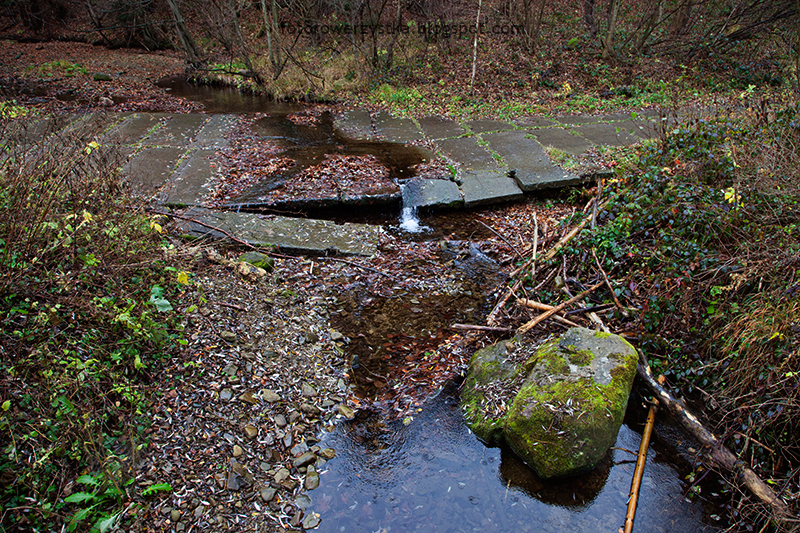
(569,410)
(312,481)
(311,520)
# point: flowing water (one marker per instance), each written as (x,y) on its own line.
(428,472)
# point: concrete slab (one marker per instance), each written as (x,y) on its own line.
(481,188)
(468,152)
(577,119)
(483,126)
(188,185)
(609,134)
(562,139)
(150,169)
(355,124)
(177,130)
(395,129)
(134,127)
(433,193)
(288,234)
(216,132)
(528,162)
(436,127)
(535,122)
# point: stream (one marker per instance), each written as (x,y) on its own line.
(428,472)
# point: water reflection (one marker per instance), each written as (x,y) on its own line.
(434,475)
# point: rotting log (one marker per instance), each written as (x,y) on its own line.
(717,453)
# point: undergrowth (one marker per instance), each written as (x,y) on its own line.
(702,237)
(86,318)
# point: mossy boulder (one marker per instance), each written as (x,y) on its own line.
(566,398)
(489,371)
(257,259)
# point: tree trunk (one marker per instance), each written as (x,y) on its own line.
(608,43)
(189,47)
(588,18)
(651,20)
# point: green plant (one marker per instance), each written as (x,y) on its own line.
(67,68)
(85,303)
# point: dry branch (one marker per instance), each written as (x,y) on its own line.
(717,452)
(641,458)
(547,314)
(480,328)
(544,307)
(608,283)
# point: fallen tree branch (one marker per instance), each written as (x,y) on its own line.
(718,454)
(547,314)
(480,328)
(513,248)
(524,302)
(638,472)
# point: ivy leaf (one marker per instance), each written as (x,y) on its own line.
(157,299)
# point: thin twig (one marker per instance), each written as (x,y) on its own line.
(564,240)
(608,283)
(375,270)
(232,306)
(513,248)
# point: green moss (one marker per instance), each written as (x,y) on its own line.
(581,357)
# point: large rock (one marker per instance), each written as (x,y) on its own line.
(566,399)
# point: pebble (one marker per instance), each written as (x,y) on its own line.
(267,494)
(281,475)
(327,453)
(303,501)
(336,336)
(249,397)
(237,450)
(308,390)
(299,448)
(312,481)
(304,460)
(346,411)
(250,431)
(310,409)
(175,515)
(280,421)
(311,520)
(227,336)
(226,394)
(270,396)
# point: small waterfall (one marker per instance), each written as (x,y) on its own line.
(409,221)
